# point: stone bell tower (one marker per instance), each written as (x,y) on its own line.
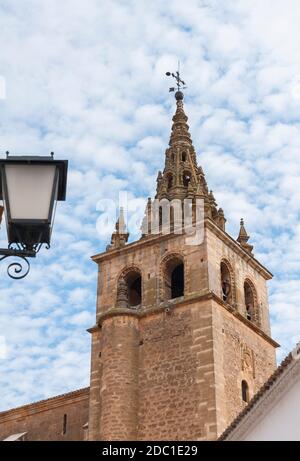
(182,337)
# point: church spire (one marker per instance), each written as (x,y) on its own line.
(179,179)
(244,237)
(180,129)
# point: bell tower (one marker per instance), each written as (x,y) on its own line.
(182,338)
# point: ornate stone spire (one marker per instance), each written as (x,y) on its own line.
(179,179)
(244,237)
(222,219)
(182,178)
(180,129)
(120,236)
(146,223)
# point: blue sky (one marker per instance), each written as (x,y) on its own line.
(87,81)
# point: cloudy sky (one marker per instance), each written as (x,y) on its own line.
(87,81)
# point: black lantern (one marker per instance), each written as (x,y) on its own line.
(30,188)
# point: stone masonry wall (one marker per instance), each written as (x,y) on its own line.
(173,369)
(95,381)
(44,420)
(176,378)
(119,379)
(239,354)
(147,256)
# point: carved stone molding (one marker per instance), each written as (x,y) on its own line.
(247,360)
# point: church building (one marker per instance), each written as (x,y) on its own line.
(181,341)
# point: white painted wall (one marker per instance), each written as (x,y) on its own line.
(282,421)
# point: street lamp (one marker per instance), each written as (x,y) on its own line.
(29,188)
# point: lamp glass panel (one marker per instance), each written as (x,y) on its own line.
(54,207)
(29,190)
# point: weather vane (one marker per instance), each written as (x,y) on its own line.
(179,83)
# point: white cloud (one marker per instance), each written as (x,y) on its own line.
(86,80)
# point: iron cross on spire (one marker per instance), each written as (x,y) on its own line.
(179,82)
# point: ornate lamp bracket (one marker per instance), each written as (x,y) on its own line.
(17,270)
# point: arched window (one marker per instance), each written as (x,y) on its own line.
(183,156)
(129,292)
(245,391)
(226,283)
(170,181)
(177,281)
(249,301)
(186,178)
(134,286)
(174,278)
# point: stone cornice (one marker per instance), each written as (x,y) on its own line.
(146,241)
(234,245)
(245,321)
(176,303)
(152,239)
(37,407)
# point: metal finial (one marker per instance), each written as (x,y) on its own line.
(7,153)
(52,154)
(179,83)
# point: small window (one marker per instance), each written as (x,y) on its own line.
(170,182)
(64,431)
(245,391)
(183,156)
(186,179)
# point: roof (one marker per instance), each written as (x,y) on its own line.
(290,359)
(49,400)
